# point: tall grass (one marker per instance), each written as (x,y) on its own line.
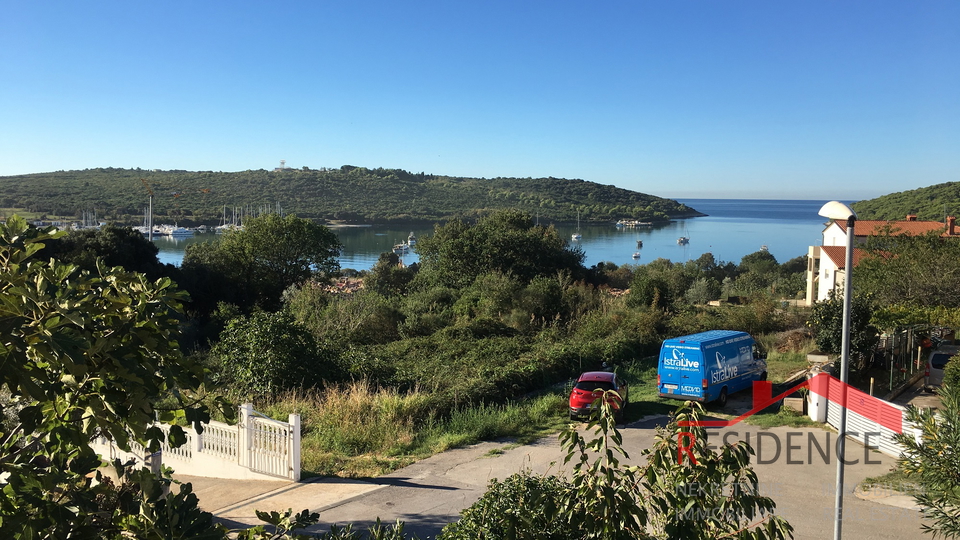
(356,430)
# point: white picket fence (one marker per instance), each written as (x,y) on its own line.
(256,447)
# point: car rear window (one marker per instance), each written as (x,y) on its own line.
(939,360)
(590,386)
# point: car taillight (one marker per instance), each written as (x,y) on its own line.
(658,379)
(705,383)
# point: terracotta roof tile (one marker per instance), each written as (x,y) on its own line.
(910,228)
(838,254)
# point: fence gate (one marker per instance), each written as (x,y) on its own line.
(273,447)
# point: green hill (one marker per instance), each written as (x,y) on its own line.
(932,203)
(351,194)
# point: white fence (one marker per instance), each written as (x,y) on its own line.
(871,421)
(256,448)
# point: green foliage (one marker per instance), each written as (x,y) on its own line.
(714,493)
(427,311)
(283,526)
(269,352)
(951,373)
(362,318)
(387,277)
(709,493)
(827,325)
(114,246)
(927,203)
(521,506)
(703,290)
(506,242)
(930,458)
(911,270)
(87,354)
(348,193)
(255,265)
(892,316)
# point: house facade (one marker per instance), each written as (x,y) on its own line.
(826,262)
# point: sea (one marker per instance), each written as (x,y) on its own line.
(731,229)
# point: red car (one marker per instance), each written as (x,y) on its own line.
(590,387)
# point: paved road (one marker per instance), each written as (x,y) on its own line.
(431,493)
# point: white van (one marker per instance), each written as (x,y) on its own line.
(937,361)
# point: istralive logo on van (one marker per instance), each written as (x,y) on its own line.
(680,361)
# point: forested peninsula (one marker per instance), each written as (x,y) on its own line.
(931,203)
(348,194)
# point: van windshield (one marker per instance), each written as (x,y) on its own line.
(590,386)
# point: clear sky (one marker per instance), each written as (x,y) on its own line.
(762,99)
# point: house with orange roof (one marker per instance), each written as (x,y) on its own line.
(826,263)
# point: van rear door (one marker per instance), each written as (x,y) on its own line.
(680,370)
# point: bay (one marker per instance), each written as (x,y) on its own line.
(732,229)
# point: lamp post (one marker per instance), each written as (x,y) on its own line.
(838,211)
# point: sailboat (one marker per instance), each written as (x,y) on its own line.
(576,235)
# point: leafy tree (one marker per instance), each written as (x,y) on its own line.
(931,458)
(269,352)
(648,289)
(87,354)
(827,325)
(259,262)
(759,262)
(505,242)
(115,246)
(703,290)
(427,311)
(361,318)
(387,277)
(910,270)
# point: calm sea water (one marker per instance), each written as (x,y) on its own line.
(733,228)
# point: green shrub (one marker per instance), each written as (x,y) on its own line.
(269,352)
(951,373)
(521,498)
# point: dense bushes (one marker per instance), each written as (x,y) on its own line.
(269,352)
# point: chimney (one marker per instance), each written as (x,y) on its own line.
(951,226)
(911,217)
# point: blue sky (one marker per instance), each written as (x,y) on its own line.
(814,99)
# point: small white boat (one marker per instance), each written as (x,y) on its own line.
(636,254)
(175,231)
(412,239)
(576,236)
(683,240)
(400,249)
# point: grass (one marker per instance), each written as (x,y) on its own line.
(357,431)
(785,416)
(782,366)
(895,480)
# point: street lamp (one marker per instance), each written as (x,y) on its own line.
(838,211)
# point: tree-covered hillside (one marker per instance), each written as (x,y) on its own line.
(932,203)
(355,194)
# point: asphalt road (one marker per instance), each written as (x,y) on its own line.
(431,493)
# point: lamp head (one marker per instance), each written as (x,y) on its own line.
(837,210)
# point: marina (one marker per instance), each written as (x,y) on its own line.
(732,229)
